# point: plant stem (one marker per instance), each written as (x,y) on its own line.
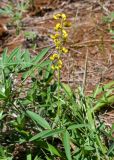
(59,106)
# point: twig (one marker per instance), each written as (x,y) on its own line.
(91,41)
(20,41)
(85,72)
(107,12)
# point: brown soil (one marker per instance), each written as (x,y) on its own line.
(89,39)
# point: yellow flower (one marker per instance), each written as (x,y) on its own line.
(65,34)
(67,24)
(59,37)
(57,47)
(57,67)
(63,16)
(60,66)
(57,43)
(55,36)
(54,56)
(57,16)
(60,62)
(58,26)
(65,50)
(60,15)
(52,36)
(53,67)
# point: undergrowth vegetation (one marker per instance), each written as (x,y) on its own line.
(15,12)
(42,117)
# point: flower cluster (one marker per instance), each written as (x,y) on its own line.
(59,38)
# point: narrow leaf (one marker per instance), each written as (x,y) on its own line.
(4,57)
(29,157)
(13,53)
(2,96)
(46,134)
(40,55)
(53,150)
(39,120)
(67,89)
(111,149)
(66,143)
(75,126)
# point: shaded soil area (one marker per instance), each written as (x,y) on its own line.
(91,54)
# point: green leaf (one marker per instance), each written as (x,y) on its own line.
(26,56)
(28,73)
(103,88)
(36,158)
(48,71)
(40,55)
(38,66)
(67,89)
(112,15)
(75,126)
(38,119)
(18,57)
(53,150)
(102,103)
(2,115)
(43,64)
(13,54)
(29,157)
(96,91)
(66,143)
(2,96)
(26,60)
(111,149)
(47,158)
(8,88)
(46,134)
(89,148)
(4,57)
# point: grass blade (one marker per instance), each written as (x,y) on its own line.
(38,119)
(66,143)
(77,126)
(40,55)
(46,133)
(13,53)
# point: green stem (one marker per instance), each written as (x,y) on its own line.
(3,75)
(59,105)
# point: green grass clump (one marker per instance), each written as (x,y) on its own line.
(29,113)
